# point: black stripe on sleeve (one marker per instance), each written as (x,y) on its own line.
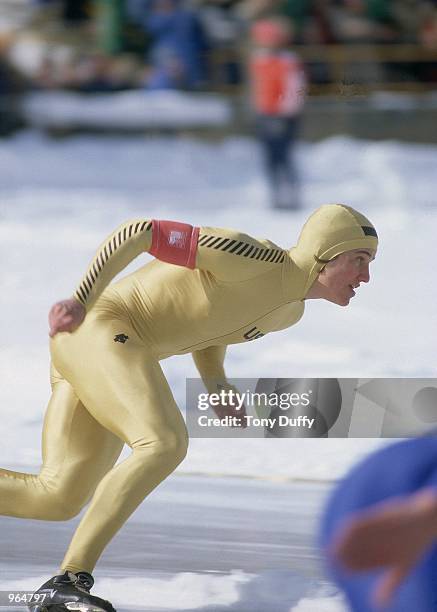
(201,240)
(91,276)
(104,255)
(208,240)
(82,293)
(214,242)
(87,284)
(80,298)
(228,246)
(222,243)
(237,246)
(243,248)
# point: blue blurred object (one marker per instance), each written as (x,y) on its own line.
(178,31)
(397,470)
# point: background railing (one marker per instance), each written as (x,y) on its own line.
(353,69)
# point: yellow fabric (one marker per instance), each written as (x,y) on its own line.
(331,230)
(108,387)
(125,391)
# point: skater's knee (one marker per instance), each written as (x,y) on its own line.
(62,504)
(64,507)
(170,447)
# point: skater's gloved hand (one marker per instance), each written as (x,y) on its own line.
(230,404)
(65,316)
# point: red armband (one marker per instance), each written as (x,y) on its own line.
(174,242)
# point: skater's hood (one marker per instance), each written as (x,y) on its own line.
(331,230)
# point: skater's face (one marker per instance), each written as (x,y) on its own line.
(342,275)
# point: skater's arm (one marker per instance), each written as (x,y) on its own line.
(227,254)
(210,364)
(113,255)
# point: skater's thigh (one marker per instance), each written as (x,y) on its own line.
(76,448)
(121,383)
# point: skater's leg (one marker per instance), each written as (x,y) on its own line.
(266,132)
(290,159)
(77,452)
(288,179)
(125,390)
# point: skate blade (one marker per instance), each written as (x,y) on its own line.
(73,606)
(81,607)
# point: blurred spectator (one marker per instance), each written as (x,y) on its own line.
(316,28)
(427,35)
(224,28)
(363,21)
(257,9)
(278,90)
(167,71)
(298,11)
(408,15)
(71,12)
(90,73)
(428,29)
(178,37)
(99,73)
(12,85)
(76,11)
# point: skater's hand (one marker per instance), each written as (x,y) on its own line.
(65,316)
(229,406)
(392,535)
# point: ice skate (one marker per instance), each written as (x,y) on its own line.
(67,592)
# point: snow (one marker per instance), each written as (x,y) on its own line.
(126,110)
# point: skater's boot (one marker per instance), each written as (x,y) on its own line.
(66,592)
